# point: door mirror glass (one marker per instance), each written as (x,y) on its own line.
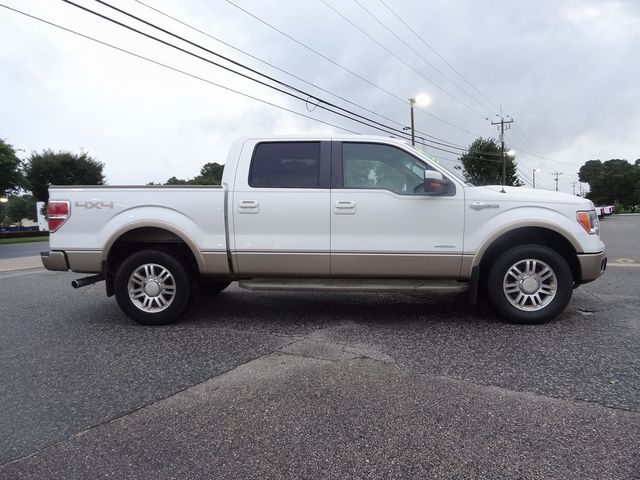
(434,183)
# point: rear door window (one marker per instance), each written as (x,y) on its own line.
(285,165)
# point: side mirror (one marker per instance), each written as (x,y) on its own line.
(435,183)
(432,175)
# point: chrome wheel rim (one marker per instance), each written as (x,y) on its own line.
(152,288)
(530,285)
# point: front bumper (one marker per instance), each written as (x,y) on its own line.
(54,260)
(592,266)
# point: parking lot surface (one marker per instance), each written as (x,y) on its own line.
(299,385)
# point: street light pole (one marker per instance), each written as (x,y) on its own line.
(412,102)
(421,100)
(534,176)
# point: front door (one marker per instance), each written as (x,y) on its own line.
(383,224)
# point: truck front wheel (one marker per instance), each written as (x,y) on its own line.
(530,284)
(152,287)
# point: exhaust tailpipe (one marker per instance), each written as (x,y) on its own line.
(83,282)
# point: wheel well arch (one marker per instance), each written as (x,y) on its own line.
(524,235)
(146,237)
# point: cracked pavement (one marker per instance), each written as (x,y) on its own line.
(299,385)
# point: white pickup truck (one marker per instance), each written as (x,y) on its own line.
(350,213)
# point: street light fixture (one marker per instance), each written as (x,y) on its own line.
(534,176)
(421,100)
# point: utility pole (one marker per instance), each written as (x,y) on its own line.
(502,123)
(573,184)
(557,174)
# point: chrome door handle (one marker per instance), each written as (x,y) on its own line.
(344,207)
(248,206)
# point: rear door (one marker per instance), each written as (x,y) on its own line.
(382,222)
(281,209)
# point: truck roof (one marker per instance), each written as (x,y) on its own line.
(345,137)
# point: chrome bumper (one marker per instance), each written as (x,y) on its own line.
(592,265)
(54,261)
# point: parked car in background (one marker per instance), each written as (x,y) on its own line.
(605,211)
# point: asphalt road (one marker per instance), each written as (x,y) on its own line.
(17,250)
(292,385)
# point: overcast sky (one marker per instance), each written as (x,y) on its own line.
(566,70)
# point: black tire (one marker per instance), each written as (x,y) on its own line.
(212,287)
(533,306)
(174,292)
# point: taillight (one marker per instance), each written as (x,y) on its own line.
(58,211)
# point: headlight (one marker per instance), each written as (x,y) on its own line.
(589,221)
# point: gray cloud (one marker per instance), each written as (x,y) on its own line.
(565,70)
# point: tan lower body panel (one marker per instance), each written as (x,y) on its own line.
(467,266)
(592,265)
(215,263)
(85,261)
(295,264)
(395,265)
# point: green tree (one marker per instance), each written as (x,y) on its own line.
(210,174)
(614,181)
(10,175)
(590,171)
(20,207)
(176,181)
(482,164)
(60,168)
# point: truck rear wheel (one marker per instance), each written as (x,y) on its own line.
(530,284)
(152,287)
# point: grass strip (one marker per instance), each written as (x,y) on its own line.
(4,241)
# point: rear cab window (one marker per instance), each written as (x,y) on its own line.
(286,165)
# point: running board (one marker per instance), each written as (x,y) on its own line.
(354,285)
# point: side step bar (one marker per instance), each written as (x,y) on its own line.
(354,285)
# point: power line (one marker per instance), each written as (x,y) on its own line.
(169,67)
(252,70)
(369,82)
(375,125)
(437,54)
(358,119)
(436,139)
(155,62)
(530,181)
(410,47)
(401,60)
(385,128)
(544,158)
(524,136)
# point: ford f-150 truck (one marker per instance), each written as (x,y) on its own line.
(350,213)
